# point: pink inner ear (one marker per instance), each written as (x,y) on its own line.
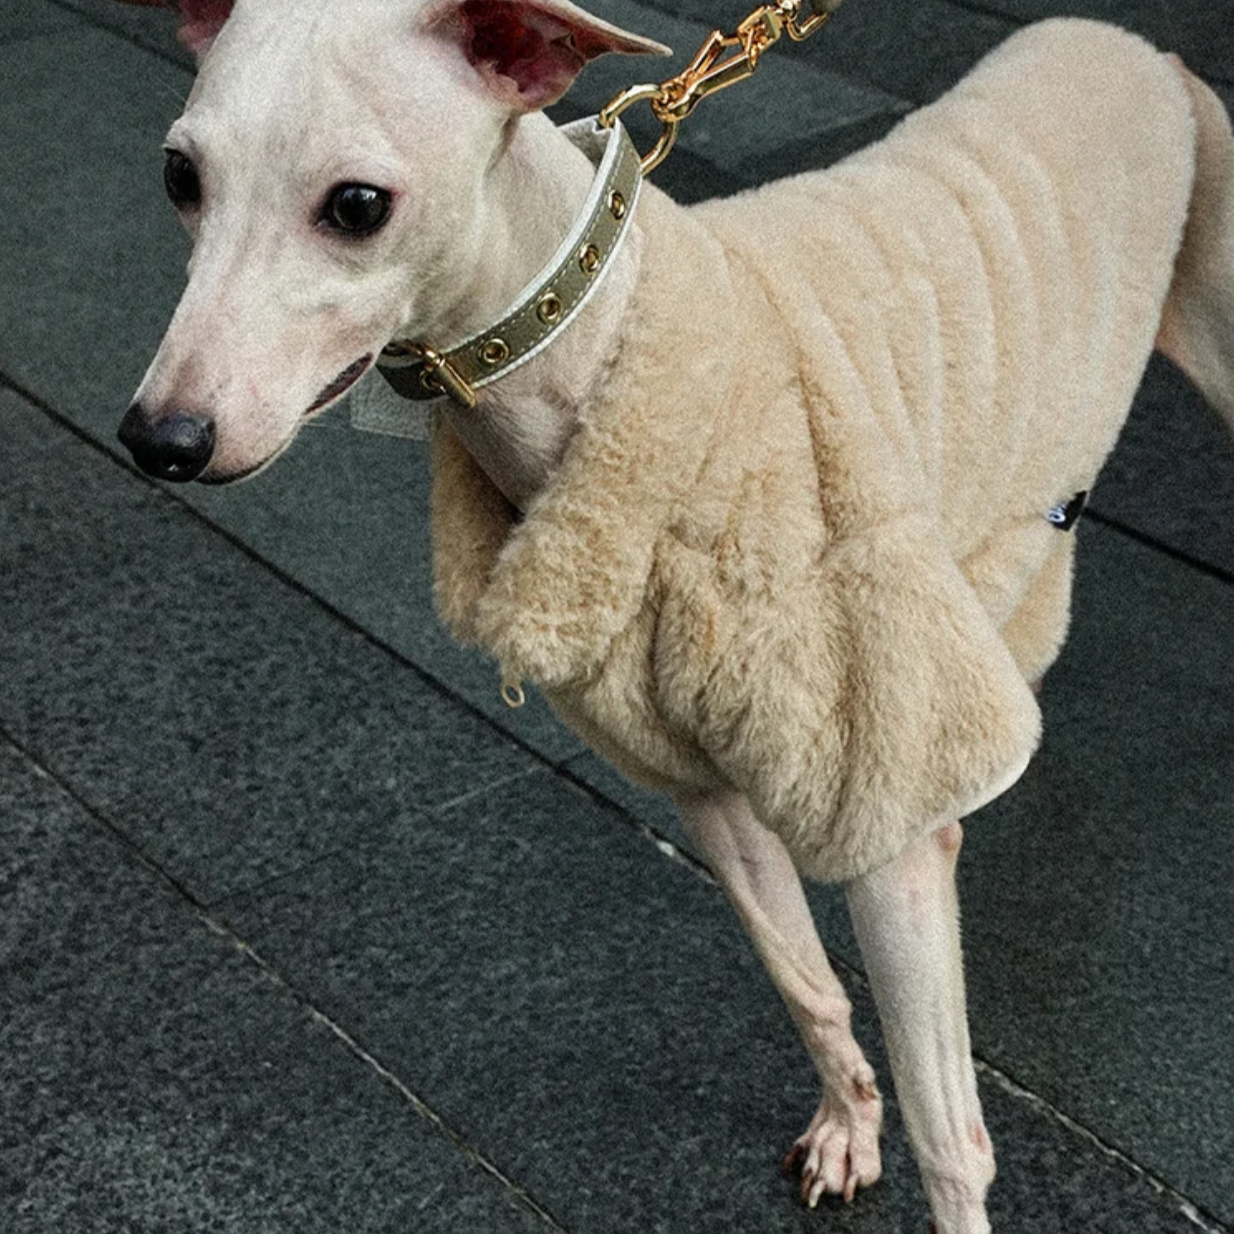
(535,50)
(200,22)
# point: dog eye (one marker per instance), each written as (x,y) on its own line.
(356,209)
(181,180)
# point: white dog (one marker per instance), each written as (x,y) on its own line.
(801,590)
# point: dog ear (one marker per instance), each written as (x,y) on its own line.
(200,20)
(532,52)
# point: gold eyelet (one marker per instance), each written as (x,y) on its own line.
(589,260)
(494,351)
(617,205)
(549,309)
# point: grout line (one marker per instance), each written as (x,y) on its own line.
(420,1107)
(443,808)
(1191,1211)
(1202,1220)
(1220,573)
(994,1075)
(116,31)
(441,687)
(45,770)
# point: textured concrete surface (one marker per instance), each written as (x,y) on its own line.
(301,930)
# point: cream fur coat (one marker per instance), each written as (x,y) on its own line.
(798,544)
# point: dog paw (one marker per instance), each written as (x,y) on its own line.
(839,1151)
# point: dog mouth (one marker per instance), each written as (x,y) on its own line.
(222,478)
(334,389)
(340,384)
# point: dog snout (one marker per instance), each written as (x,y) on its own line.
(176,447)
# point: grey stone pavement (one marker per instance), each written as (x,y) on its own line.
(301,931)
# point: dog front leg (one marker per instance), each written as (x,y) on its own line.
(906,917)
(839,1151)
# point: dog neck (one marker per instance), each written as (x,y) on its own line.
(522,423)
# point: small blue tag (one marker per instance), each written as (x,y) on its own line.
(1066,514)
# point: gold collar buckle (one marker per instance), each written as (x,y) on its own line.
(417,371)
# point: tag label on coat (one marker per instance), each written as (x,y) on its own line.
(1066,514)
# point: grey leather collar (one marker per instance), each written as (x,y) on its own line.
(553,299)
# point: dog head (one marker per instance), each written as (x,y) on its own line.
(334,169)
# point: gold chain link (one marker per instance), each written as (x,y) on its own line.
(673,100)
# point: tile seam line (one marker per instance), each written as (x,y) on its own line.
(271,882)
(221,930)
(1003,1079)
(443,690)
(98,23)
(1181,556)
(1200,1217)
(282,576)
(522,1195)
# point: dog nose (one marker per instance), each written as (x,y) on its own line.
(175,447)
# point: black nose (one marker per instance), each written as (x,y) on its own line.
(175,447)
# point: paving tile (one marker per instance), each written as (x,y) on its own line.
(1096,892)
(370,556)
(23,19)
(786,96)
(1120,1012)
(815,152)
(221,718)
(155,1079)
(153,29)
(1172,475)
(1203,34)
(93,259)
(590,1013)
(911,51)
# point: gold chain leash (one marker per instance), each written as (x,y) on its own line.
(673,100)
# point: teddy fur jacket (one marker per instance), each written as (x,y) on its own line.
(798,544)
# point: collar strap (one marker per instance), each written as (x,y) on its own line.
(550,302)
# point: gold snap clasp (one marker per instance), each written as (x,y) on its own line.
(549,309)
(589,260)
(494,351)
